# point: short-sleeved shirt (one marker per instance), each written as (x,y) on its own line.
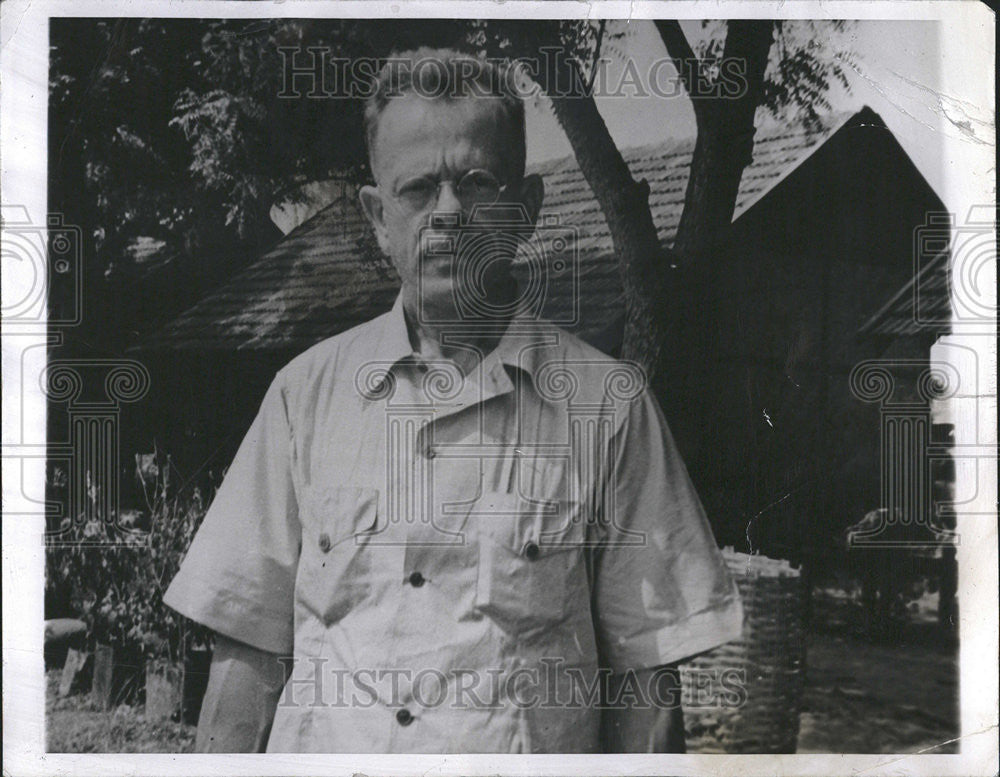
(456,564)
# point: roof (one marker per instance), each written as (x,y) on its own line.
(327,275)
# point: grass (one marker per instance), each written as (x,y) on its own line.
(75,725)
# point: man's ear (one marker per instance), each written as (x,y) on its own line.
(371,204)
(531,194)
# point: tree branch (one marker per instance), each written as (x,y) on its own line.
(748,41)
(684,59)
(644,263)
(597,56)
(724,146)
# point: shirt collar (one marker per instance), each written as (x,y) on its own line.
(395,346)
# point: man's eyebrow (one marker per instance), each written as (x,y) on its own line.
(418,177)
(401,183)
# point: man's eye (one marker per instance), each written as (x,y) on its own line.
(480,185)
(418,189)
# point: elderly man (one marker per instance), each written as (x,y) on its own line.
(455,528)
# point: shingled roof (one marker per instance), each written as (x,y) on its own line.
(327,275)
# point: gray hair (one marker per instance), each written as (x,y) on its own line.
(446,74)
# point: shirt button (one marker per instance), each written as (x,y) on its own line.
(324,542)
(404,717)
(416,579)
(531,551)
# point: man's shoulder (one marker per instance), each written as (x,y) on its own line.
(552,345)
(557,343)
(558,354)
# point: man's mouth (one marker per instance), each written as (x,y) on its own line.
(472,263)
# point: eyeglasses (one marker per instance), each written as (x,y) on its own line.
(476,187)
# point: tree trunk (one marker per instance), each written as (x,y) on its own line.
(724,146)
(643,262)
(723,149)
(656,314)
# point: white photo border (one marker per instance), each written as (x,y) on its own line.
(968,44)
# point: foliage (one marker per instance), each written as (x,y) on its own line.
(117,587)
(110,121)
(249,146)
(176,131)
(808,61)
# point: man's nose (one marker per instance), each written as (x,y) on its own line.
(448,198)
(448,208)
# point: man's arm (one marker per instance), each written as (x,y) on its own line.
(663,598)
(244,684)
(656,725)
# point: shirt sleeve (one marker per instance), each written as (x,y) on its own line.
(662,592)
(238,577)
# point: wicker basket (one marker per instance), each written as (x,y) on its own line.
(745,696)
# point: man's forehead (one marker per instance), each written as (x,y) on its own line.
(411,119)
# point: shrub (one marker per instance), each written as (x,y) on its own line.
(117,571)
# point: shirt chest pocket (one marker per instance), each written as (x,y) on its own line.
(532,572)
(335,567)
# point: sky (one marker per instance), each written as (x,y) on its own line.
(898,74)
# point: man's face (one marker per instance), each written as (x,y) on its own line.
(423,140)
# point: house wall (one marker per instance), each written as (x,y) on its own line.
(784,454)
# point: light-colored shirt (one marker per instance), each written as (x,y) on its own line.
(456,563)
